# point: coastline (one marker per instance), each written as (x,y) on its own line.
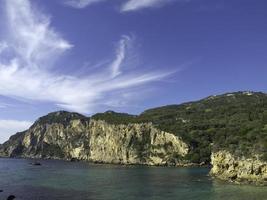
(189,166)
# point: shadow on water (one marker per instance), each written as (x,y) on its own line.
(84,181)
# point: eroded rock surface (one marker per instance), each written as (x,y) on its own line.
(98,141)
(238,169)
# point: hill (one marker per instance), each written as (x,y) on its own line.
(228,131)
(236,122)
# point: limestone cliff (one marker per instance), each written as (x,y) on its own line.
(94,140)
(229,125)
(238,169)
(134,144)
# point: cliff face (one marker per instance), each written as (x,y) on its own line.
(134,144)
(235,169)
(232,125)
(98,141)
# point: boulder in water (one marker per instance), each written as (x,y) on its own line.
(36,163)
(11,197)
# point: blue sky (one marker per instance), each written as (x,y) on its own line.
(90,56)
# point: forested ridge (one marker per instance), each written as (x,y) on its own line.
(236,122)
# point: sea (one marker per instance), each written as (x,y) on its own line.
(62,180)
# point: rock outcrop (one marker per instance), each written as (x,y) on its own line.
(229,125)
(97,141)
(238,169)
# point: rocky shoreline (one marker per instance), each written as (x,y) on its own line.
(240,170)
(178,165)
(224,168)
(74,137)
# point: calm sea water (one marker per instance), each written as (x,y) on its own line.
(83,181)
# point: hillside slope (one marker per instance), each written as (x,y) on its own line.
(229,131)
(236,122)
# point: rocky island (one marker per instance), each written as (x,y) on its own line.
(228,131)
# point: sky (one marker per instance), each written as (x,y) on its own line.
(90,56)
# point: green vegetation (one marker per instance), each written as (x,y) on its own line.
(61,117)
(235,122)
(115,118)
(50,150)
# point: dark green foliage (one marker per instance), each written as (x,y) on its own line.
(236,122)
(61,117)
(51,151)
(115,118)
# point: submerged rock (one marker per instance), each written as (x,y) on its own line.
(74,160)
(11,197)
(36,163)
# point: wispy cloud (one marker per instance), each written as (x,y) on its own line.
(133,5)
(81,3)
(128,5)
(32,37)
(2,105)
(5,105)
(120,56)
(3,46)
(29,73)
(9,127)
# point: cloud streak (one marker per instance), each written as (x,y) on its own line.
(29,73)
(120,56)
(9,127)
(133,5)
(81,3)
(127,6)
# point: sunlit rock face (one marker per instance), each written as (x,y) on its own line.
(238,169)
(71,136)
(94,140)
(134,144)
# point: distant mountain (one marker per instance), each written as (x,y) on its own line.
(229,131)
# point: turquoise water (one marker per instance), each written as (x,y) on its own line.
(83,181)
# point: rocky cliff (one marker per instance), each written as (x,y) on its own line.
(94,140)
(233,126)
(228,167)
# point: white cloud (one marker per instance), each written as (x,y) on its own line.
(128,5)
(2,105)
(81,3)
(132,5)
(5,105)
(35,44)
(32,37)
(9,127)
(120,56)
